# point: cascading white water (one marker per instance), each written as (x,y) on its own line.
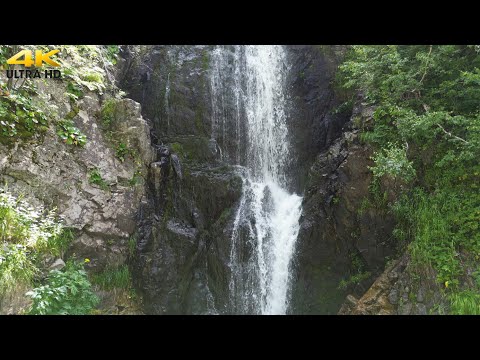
(267,221)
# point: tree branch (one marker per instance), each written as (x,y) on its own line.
(426,64)
(451,135)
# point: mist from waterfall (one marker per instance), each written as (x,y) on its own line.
(266,224)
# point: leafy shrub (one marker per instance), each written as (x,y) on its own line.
(74,91)
(70,134)
(25,233)
(393,161)
(57,245)
(112,53)
(20,117)
(66,292)
(79,66)
(426,99)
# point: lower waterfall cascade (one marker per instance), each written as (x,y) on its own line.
(267,220)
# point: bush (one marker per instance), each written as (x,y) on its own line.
(25,233)
(122,151)
(20,117)
(426,100)
(70,134)
(393,162)
(66,292)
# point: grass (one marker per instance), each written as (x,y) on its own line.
(113,278)
(132,243)
(57,245)
(108,112)
(466,302)
(428,220)
(444,244)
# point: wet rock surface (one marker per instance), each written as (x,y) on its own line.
(185,225)
(399,290)
(339,239)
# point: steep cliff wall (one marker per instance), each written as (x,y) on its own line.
(182,259)
(344,238)
(46,171)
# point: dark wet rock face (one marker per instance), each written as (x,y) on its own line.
(185,227)
(172,84)
(342,235)
(183,247)
(313,122)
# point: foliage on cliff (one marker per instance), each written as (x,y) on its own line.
(32,237)
(29,235)
(426,135)
(26,112)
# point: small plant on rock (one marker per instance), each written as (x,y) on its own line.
(70,134)
(122,151)
(96,178)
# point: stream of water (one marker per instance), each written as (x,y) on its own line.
(267,220)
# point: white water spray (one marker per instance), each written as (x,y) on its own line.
(267,221)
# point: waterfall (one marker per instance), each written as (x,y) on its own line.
(267,221)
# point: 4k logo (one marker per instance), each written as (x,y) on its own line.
(27,61)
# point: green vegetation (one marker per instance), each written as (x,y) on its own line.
(392,161)
(108,118)
(26,233)
(57,245)
(358,272)
(177,148)
(121,151)
(20,117)
(66,292)
(426,135)
(96,178)
(113,278)
(137,176)
(82,67)
(132,244)
(107,112)
(70,134)
(354,280)
(112,53)
(25,113)
(465,303)
(32,237)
